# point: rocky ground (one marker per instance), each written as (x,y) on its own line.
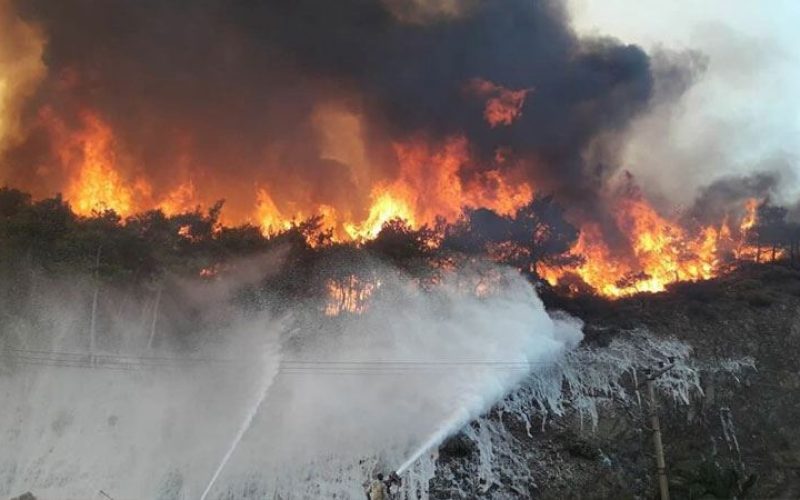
(738,437)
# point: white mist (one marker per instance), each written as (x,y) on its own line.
(333,401)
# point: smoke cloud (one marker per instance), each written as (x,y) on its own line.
(229,95)
(734,114)
(345,396)
(21,69)
(728,194)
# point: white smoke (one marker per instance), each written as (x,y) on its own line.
(343,397)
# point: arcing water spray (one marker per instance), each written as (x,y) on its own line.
(246,423)
(460,418)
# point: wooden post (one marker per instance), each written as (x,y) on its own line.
(154,323)
(93,324)
(663,484)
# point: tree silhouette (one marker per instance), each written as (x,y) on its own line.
(537,233)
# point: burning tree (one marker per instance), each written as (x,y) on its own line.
(541,229)
(771,231)
(536,234)
(401,245)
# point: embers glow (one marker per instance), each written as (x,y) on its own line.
(209,272)
(503,105)
(349,295)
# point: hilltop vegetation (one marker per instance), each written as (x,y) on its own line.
(47,234)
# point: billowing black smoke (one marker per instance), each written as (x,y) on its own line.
(729,194)
(237,82)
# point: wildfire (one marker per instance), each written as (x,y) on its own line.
(503,105)
(21,70)
(429,186)
(209,272)
(349,295)
(182,199)
(385,208)
(433,182)
(662,252)
(269,217)
(749,219)
(96,179)
(96,184)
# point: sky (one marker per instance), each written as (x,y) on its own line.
(743,112)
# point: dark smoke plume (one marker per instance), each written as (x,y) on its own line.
(235,85)
(728,195)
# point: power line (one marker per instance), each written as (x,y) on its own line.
(289,369)
(65,356)
(67,359)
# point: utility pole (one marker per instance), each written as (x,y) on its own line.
(93,327)
(655,425)
(663,484)
(155,318)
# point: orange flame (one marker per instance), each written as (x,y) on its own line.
(182,199)
(429,185)
(269,217)
(503,105)
(349,295)
(97,185)
(209,272)
(662,252)
(385,208)
(433,182)
(751,214)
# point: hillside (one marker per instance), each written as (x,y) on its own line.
(736,438)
